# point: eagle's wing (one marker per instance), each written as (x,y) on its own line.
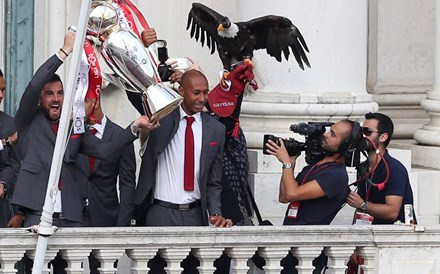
(203,20)
(276,34)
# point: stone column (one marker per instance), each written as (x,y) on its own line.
(174,256)
(273,257)
(338,256)
(240,255)
(332,89)
(429,134)
(140,258)
(400,60)
(207,256)
(305,256)
(107,258)
(75,259)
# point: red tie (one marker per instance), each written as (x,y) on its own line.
(92,160)
(189,155)
(55,126)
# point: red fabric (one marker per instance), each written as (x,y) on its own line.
(92,160)
(189,155)
(222,102)
(95,78)
(55,126)
(353,268)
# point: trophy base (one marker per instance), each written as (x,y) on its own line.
(159,101)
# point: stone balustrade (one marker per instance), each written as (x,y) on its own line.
(386,249)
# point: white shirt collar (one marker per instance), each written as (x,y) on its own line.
(197,116)
(100,127)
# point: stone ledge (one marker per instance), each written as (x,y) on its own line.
(422,156)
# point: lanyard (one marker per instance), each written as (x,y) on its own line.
(321,167)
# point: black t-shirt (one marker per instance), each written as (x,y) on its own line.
(333,179)
(397,185)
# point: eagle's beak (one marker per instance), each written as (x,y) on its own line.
(220,27)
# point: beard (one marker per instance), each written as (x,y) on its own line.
(47,114)
(369,147)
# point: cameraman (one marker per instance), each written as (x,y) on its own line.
(383,196)
(316,195)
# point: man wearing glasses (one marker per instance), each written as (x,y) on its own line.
(384,188)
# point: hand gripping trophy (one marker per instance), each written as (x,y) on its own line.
(126,55)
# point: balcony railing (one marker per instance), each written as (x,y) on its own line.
(386,249)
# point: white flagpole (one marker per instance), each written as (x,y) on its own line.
(45,227)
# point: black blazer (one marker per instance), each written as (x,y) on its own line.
(104,208)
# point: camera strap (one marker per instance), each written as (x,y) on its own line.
(254,205)
(321,167)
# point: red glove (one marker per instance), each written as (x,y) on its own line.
(241,75)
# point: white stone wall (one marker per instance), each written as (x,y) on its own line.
(337,32)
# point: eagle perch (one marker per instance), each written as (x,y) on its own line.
(236,42)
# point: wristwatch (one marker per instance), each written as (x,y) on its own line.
(363,206)
(287,165)
(135,129)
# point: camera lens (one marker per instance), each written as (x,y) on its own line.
(164,71)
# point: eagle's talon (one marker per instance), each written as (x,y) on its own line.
(249,61)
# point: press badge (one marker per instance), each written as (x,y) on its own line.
(363,219)
(293,210)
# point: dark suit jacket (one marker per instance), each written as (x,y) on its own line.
(104,207)
(211,161)
(7,176)
(36,145)
(7,128)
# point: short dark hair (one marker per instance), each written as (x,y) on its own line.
(1,73)
(384,125)
(55,78)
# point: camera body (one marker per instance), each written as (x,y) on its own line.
(163,69)
(313,132)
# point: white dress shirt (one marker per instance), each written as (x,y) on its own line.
(170,165)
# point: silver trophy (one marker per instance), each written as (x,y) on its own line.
(126,55)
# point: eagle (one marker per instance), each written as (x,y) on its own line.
(236,42)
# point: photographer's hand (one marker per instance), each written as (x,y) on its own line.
(280,152)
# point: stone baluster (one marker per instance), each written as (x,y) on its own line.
(305,256)
(273,256)
(140,258)
(174,256)
(50,255)
(207,256)
(368,253)
(8,258)
(107,258)
(75,259)
(240,255)
(338,258)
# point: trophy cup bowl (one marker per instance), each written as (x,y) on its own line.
(126,55)
(102,17)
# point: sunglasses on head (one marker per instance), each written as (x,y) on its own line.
(368,131)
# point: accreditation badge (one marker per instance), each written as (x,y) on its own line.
(362,218)
(292,213)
